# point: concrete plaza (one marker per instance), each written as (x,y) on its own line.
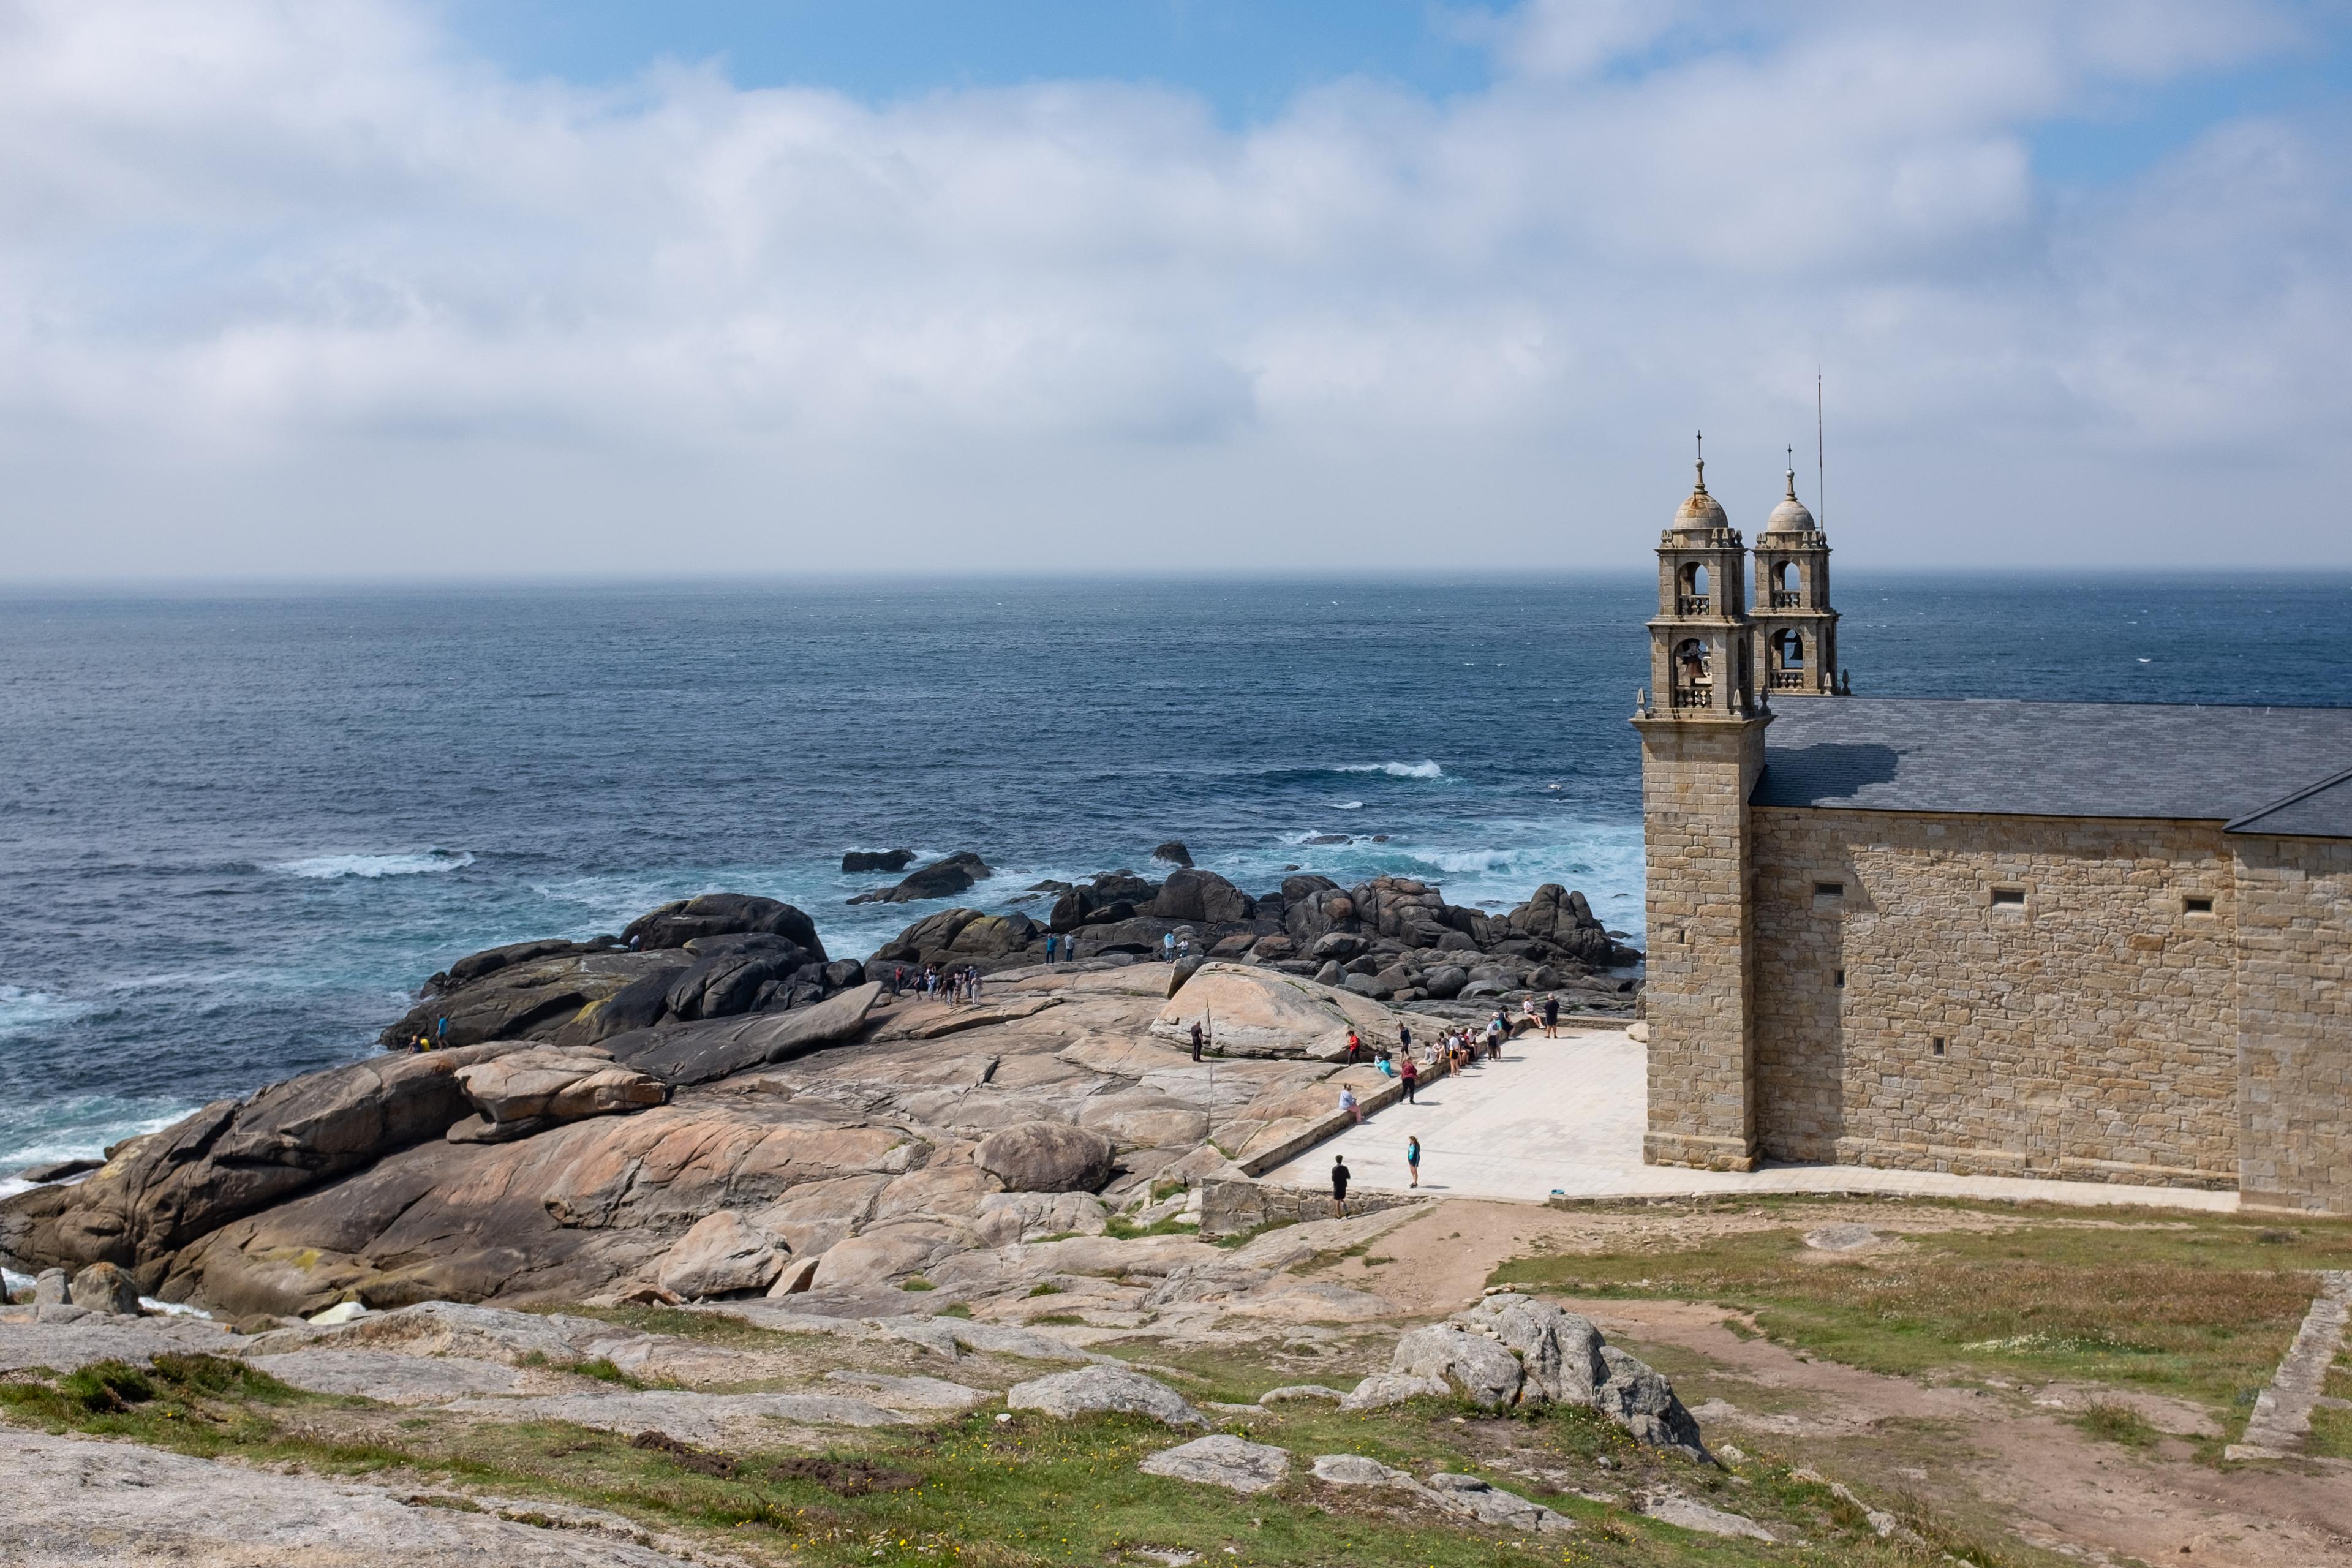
(1566,1116)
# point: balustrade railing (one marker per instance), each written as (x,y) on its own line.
(1701,696)
(1691,604)
(1788,599)
(1786,679)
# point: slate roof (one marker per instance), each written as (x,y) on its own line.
(2259,770)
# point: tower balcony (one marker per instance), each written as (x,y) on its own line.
(1784,599)
(1692,604)
(1785,681)
(1699,694)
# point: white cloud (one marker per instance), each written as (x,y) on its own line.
(297,288)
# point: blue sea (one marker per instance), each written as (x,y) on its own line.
(237,829)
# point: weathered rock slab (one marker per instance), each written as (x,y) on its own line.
(1223,1461)
(1098,1388)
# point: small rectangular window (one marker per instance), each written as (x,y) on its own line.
(1841,979)
(2197,906)
(1935,1045)
(2008,894)
(1829,889)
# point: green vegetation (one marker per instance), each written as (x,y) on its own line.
(2331,1424)
(975,1491)
(916,1283)
(2113,1422)
(2199,1307)
(1121,1228)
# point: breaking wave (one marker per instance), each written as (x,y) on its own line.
(1421,770)
(407,863)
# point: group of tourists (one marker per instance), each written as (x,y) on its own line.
(935,984)
(1457,1050)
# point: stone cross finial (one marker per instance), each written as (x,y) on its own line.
(1700,489)
(1792,473)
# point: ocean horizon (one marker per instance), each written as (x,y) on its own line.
(244,822)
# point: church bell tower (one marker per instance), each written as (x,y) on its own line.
(1702,733)
(1795,640)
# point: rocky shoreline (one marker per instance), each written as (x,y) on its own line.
(708,1105)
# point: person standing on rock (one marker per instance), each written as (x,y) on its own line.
(1551,1016)
(1412,1076)
(1355,1047)
(1052,942)
(1196,1039)
(1168,946)
(1412,1160)
(1339,1187)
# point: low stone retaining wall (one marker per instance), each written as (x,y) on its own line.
(1230,1207)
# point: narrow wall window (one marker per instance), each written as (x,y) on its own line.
(2197,906)
(1936,1046)
(1841,980)
(1837,890)
(2009,896)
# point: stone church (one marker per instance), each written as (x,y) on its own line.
(2099,941)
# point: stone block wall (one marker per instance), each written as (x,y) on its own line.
(2294,1021)
(1230,1207)
(1695,779)
(2089,1031)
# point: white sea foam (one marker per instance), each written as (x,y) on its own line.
(405,863)
(1351,805)
(22,1010)
(1421,770)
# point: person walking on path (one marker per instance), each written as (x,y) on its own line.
(1339,1187)
(1410,1074)
(1348,1104)
(1412,1160)
(1196,1039)
(1551,1016)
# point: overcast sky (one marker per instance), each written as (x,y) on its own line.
(488,289)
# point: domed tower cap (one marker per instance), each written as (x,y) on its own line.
(1702,510)
(1791,516)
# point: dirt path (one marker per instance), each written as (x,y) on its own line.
(1974,1454)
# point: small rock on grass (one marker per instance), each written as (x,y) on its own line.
(1220,1460)
(1384,1389)
(1289,1393)
(1068,1393)
(1474,1498)
(1672,1508)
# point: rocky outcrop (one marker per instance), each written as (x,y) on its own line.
(723,1255)
(1392,939)
(1174,852)
(1254,1012)
(104,1287)
(1046,1157)
(236,1158)
(711,956)
(534,1087)
(940,879)
(857,860)
(1509,1350)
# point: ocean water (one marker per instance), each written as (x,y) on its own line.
(236,830)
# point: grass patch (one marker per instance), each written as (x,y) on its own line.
(2113,1422)
(1119,1228)
(916,1283)
(954,1309)
(1059,1320)
(2198,1307)
(1045,1287)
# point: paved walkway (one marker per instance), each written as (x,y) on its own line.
(1566,1116)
